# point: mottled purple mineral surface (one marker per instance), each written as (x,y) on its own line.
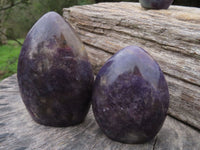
(156,4)
(54,75)
(130,96)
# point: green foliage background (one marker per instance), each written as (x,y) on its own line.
(9,58)
(22,17)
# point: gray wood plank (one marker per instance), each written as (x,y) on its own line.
(18,131)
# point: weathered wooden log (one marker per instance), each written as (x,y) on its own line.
(19,132)
(171,36)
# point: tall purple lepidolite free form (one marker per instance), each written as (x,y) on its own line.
(54,75)
(130,96)
(156,4)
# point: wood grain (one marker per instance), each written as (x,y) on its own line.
(171,36)
(19,132)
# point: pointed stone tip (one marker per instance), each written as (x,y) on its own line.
(51,13)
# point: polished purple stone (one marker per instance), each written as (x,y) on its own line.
(156,4)
(54,75)
(130,96)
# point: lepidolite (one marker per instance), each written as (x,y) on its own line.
(130,96)
(54,75)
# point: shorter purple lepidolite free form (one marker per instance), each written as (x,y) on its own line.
(54,75)
(156,4)
(130,96)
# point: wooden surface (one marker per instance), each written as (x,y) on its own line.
(18,131)
(171,36)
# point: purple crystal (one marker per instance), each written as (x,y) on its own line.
(156,4)
(130,96)
(54,75)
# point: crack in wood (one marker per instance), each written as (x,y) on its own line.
(88,44)
(154,144)
(184,80)
(187,124)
